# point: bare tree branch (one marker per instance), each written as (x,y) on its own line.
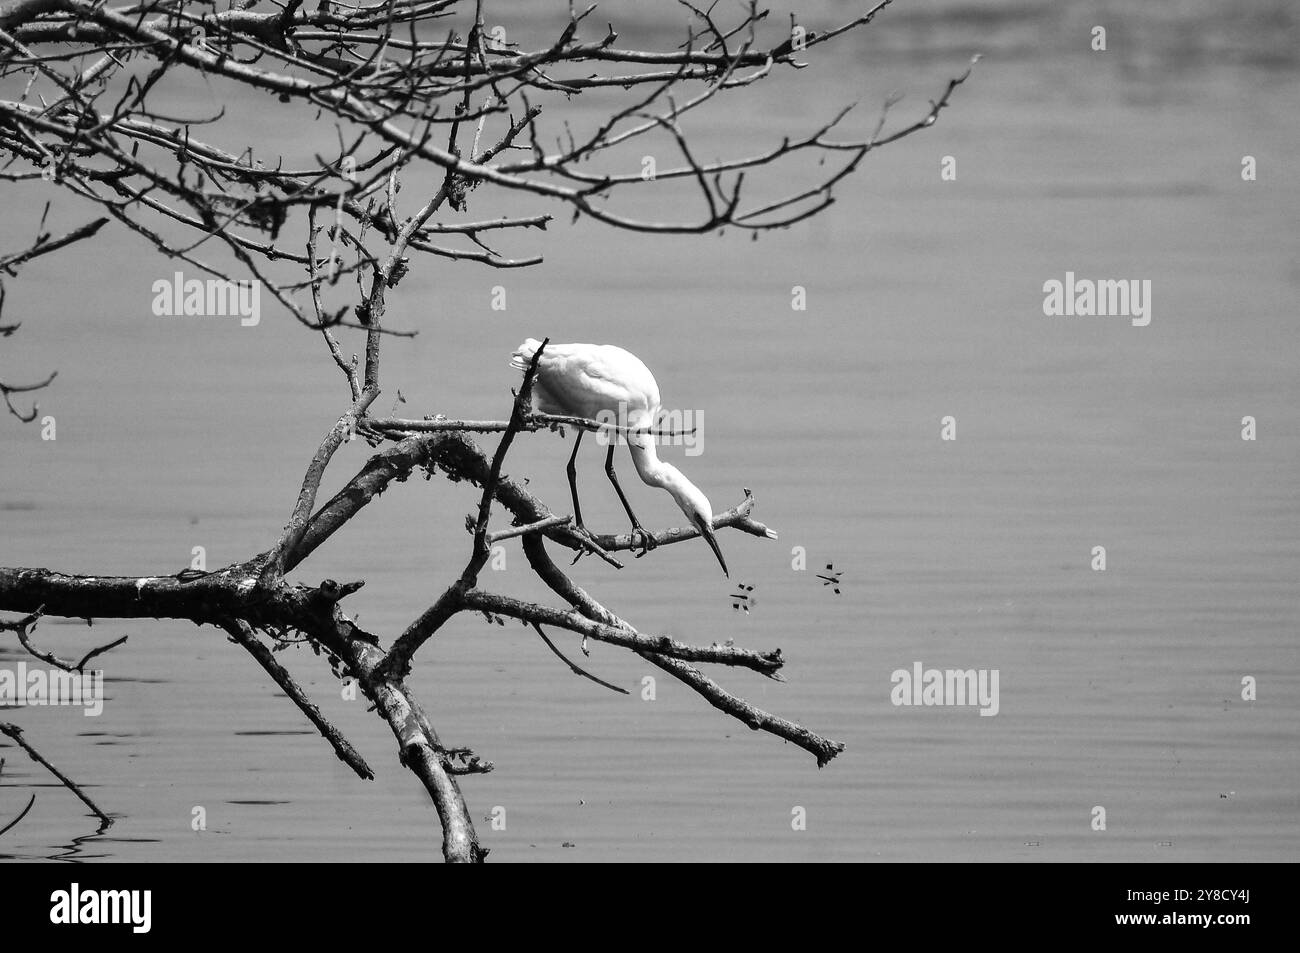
(242,634)
(16,734)
(23,628)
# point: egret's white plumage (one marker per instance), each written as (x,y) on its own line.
(591,380)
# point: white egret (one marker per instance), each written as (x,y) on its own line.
(600,380)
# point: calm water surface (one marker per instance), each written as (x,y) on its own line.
(1119,689)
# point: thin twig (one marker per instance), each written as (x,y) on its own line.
(23,628)
(14,823)
(528,528)
(16,733)
(574,668)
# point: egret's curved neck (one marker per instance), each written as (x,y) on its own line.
(656,472)
(645,457)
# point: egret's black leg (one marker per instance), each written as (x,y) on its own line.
(647,541)
(573,479)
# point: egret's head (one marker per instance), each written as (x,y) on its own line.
(697,509)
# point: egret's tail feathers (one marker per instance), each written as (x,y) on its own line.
(523,355)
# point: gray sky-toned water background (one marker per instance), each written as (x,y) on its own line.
(1119,689)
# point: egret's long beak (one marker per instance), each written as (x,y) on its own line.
(707,532)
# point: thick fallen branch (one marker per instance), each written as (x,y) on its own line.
(417,742)
(240,593)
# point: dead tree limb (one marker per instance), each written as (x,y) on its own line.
(23,628)
(242,634)
(16,734)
